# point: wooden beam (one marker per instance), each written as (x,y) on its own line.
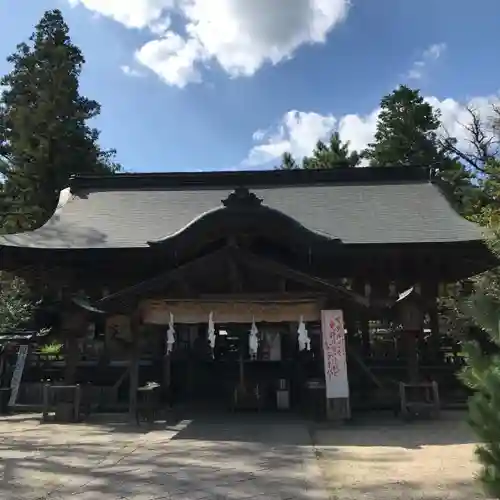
(285,297)
(161,280)
(276,268)
(240,257)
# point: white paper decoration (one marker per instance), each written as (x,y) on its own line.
(253,340)
(303,338)
(170,334)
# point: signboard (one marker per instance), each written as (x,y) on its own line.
(18,374)
(333,335)
(157,312)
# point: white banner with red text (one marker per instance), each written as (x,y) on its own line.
(334,351)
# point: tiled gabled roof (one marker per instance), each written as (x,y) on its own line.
(357,206)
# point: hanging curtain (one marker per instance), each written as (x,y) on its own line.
(303,338)
(273,341)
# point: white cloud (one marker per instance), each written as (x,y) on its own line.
(129,71)
(172,58)
(297,132)
(130,13)
(429,55)
(239,35)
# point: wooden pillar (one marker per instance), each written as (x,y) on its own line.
(135,356)
(167,373)
(191,365)
(412,322)
(435,341)
(411,348)
(74,326)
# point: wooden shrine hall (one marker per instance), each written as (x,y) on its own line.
(270,290)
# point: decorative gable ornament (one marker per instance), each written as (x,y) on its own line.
(240,198)
(170,334)
(303,338)
(253,340)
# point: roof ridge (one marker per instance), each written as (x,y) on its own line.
(252,178)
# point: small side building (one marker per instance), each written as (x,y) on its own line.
(224,282)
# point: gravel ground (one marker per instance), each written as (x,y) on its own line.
(228,457)
(389,460)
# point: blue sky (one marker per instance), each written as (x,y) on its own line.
(235,83)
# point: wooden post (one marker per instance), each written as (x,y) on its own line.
(191,364)
(46,403)
(167,376)
(78,399)
(411,347)
(134,366)
(74,326)
(412,321)
(71,357)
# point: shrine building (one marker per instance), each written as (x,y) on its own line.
(253,289)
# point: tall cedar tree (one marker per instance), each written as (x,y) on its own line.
(408,134)
(44,135)
(332,154)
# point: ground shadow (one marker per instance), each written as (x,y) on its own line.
(379,430)
(206,458)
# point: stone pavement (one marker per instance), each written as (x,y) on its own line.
(226,458)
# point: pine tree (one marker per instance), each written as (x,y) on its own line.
(482,376)
(44,135)
(288,162)
(334,154)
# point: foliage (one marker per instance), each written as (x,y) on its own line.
(288,162)
(482,307)
(44,135)
(481,158)
(407,132)
(53,348)
(15,306)
(333,154)
(482,375)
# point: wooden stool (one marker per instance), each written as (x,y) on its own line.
(426,403)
